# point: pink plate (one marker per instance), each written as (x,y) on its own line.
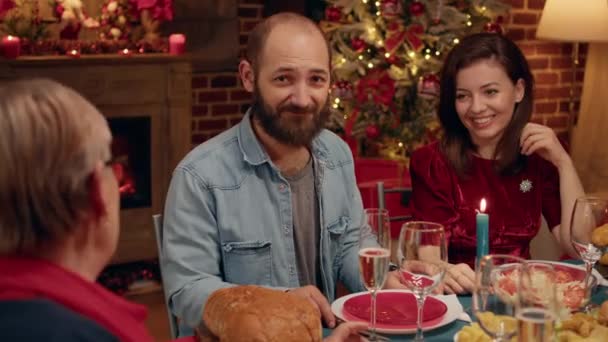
(394,309)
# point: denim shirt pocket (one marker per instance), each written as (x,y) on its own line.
(248,262)
(336,229)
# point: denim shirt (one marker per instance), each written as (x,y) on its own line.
(228,220)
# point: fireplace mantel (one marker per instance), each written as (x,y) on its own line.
(157,86)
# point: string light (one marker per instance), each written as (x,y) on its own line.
(345,116)
(377,3)
(412,54)
(428,50)
(483,8)
(380,43)
(387,55)
(456,40)
(337,100)
(437,53)
(469,23)
(364,1)
(360,57)
(400,144)
(427,57)
(414,69)
(370,65)
(378,13)
(335,106)
(343,60)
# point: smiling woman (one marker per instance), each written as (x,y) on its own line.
(490,150)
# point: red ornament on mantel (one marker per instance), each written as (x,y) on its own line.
(416,8)
(333,14)
(372,132)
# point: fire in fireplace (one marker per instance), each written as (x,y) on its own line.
(131,160)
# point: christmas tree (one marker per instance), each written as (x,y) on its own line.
(386,55)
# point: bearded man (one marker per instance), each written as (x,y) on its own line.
(272,201)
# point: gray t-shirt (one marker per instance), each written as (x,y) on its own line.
(306,230)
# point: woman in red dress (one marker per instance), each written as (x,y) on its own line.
(490,150)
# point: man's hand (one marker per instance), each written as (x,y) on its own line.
(346,332)
(318,299)
(459,279)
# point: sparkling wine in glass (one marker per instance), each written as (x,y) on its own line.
(588,237)
(538,307)
(495,295)
(374,256)
(422,257)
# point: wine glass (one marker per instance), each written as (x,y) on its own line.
(497,279)
(538,307)
(589,213)
(374,256)
(422,257)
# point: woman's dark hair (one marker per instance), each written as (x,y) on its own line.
(456,142)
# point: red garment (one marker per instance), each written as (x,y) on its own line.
(30,278)
(515,214)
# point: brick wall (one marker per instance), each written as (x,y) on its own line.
(219,101)
(551,63)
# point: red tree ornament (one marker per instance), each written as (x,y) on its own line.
(493,28)
(358,44)
(416,8)
(391,8)
(333,14)
(428,86)
(372,132)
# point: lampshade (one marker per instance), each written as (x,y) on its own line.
(574,21)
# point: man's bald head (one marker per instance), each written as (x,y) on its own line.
(257,38)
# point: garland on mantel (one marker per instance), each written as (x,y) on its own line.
(64,46)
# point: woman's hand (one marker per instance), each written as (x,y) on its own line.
(541,139)
(393,282)
(459,279)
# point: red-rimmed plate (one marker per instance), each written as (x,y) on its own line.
(393,308)
(569,281)
(450,303)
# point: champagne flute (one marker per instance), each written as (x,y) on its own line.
(588,214)
(538,307)
(497,281)
(422,256)
(374,256)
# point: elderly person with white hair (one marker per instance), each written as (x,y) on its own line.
(59,226)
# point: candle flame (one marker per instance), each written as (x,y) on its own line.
(10,37)
(125,51)
(73,52)
(482,205)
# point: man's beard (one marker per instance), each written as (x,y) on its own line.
(294,129)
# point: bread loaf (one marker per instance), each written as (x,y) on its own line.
(252,313)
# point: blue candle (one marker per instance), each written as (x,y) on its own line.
(483,221)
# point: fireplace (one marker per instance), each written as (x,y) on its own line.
(147,102)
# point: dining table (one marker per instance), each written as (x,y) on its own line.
(447,332)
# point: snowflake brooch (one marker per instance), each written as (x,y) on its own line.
(525,185)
